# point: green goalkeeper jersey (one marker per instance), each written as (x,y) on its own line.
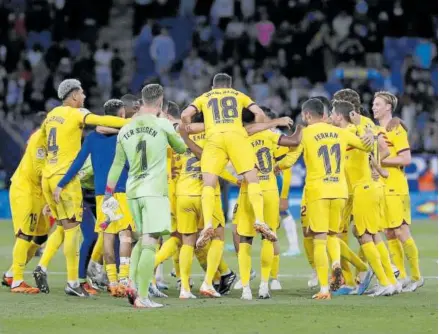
(143,144)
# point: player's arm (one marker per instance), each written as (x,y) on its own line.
(116,169)
(394,123)
(229,177)
(377,168)
(293,140)
(89,118)
(290,158)
(75,167)
(191,129)
(404,156)
(259,127)
(362,144)
(106,130)
(193,147)
(189,112)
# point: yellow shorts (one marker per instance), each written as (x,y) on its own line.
(173,204)
(303,214)
(347,215)
(190,214)
(366,209)
(70,205)
(223,147)
(26,209)
(325,215)
(125,223)
(244,217)
(398,211)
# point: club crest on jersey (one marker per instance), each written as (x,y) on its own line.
(41,153)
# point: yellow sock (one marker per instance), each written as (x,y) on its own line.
(71,252)
(186,256)
(373,257)
(275,264)
(111,273)
(98,249)
(333,245)
(245,262)
(309,250)
(223,267)
(348,275)
(33,247)
(397,256)
(412,254)
(167,250)
(267,255)
(124,268)
(321,262)
(201,255)
(385,261)
(53,244)
(176,260)
(208,204)
(213,259)
(350,256)
(256,200)
(19,255)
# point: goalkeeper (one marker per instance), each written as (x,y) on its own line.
(143,142)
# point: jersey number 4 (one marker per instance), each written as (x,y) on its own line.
(227,107)
(325,153)
(51,141)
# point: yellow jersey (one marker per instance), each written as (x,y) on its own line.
(29,171)
(173,164)
(265,144)
(366,122)
(324,152)
(222,110)
(357,164)
(291,157)
(397,141)
(62,131)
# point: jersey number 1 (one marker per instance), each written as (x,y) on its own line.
(325,152)
(141,149)
(228,107)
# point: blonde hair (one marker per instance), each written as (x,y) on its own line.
(388,97)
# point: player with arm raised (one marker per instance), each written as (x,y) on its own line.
(143,143)
(397,198)
(62,132)
(226,139)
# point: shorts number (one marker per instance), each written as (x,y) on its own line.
(325,153)
(229,107)
(303,211)
(141,149)
(33,221)
(190,165)
(265,165)
(51,141)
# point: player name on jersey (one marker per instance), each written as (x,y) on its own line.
(143,129)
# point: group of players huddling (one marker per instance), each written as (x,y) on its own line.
(159,173)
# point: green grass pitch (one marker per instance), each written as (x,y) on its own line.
(289,311)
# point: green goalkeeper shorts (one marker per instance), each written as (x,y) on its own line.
(151,214)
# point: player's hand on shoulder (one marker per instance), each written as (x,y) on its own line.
(368,138)
(393,124)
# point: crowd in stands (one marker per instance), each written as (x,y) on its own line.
(280,52)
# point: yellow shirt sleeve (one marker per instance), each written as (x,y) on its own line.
(229,177)
(400,139)
(354,141)
(86,117)
(291,157)
(198,104)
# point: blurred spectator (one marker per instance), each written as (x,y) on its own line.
(35,54)
(162,51)
(222,12)
(117,66)
(103,58)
